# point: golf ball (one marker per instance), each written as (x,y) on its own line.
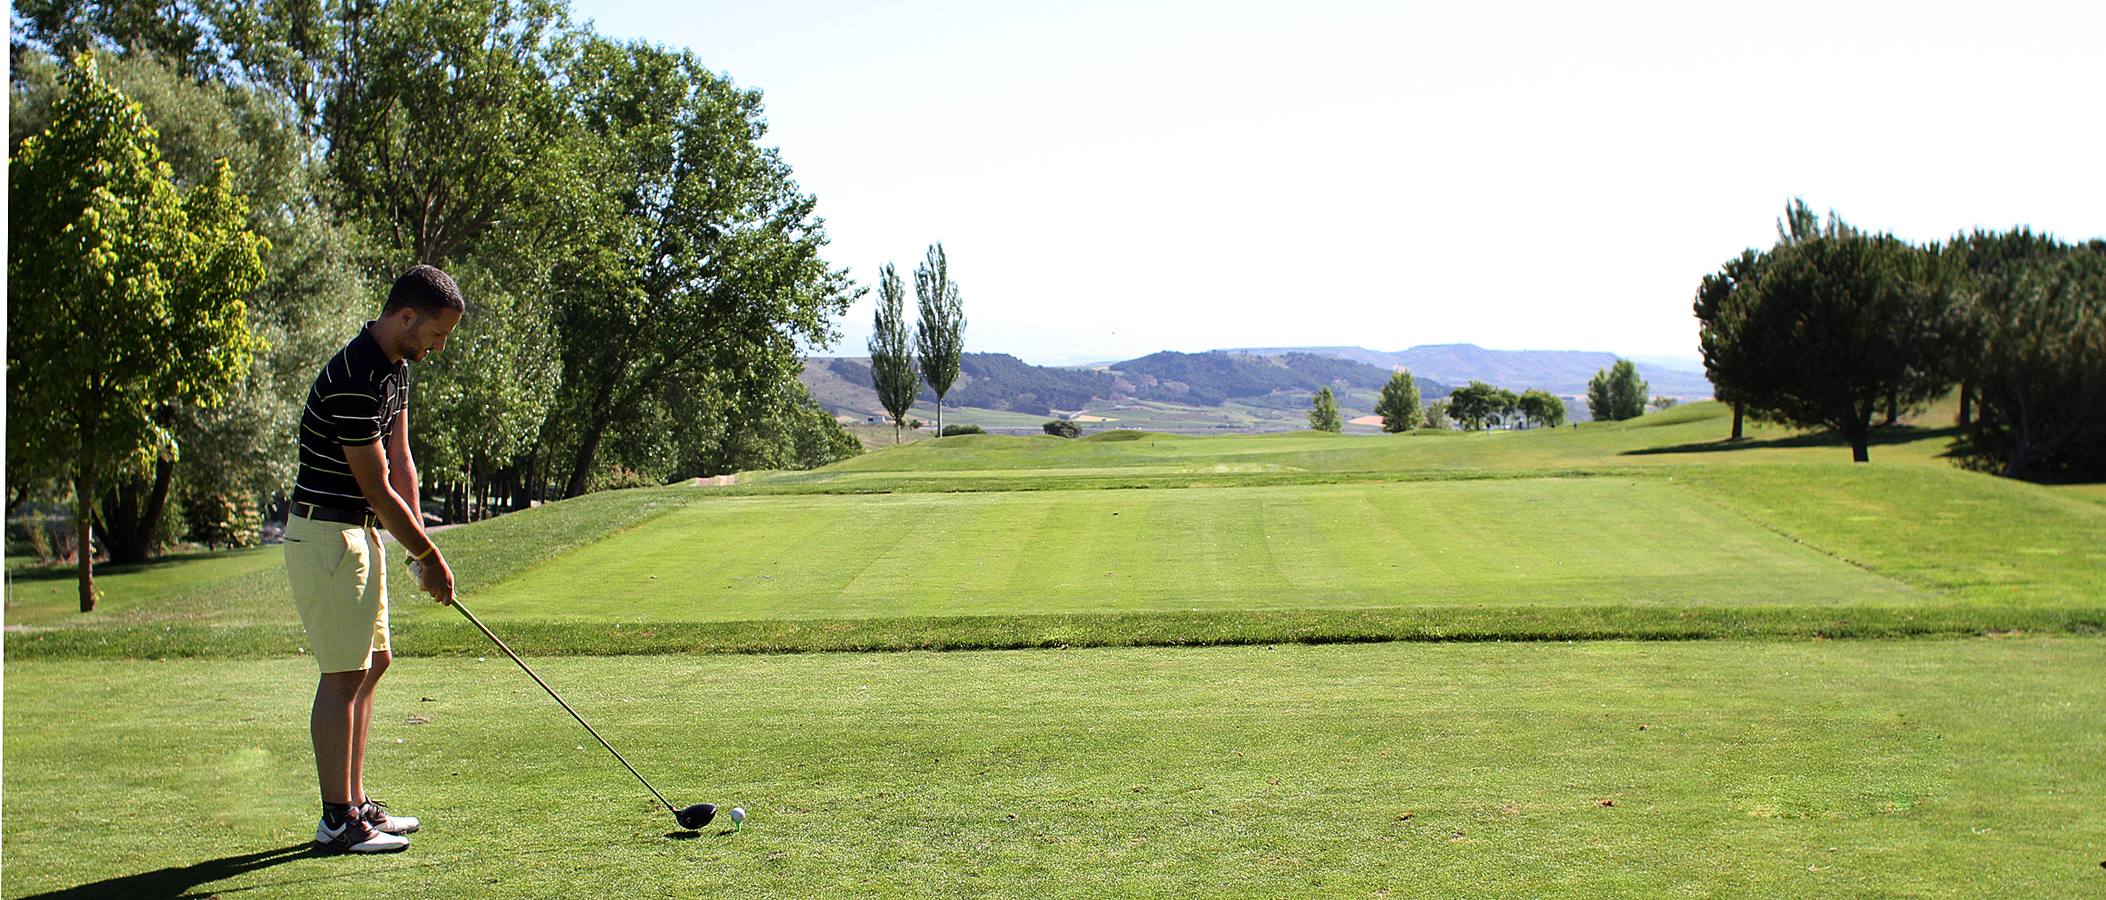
(738,814)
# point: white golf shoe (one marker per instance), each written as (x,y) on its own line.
(376,814)
(355,836)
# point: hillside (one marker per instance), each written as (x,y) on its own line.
(1207,384)
(1563,372)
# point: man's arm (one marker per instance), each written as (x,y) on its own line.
(370,468)
(402,471)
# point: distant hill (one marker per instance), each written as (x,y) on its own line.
(1563,372)
(999,381)
(1280,378)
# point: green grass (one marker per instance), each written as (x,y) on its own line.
(1677,543)
(1537,541)
(1916,768)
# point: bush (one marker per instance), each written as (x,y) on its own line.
(614,478)
(1063,428)
(220,521)
(953,430)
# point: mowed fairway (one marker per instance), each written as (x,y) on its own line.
(1911,768)
(1519,541)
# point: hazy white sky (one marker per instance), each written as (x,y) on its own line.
(1115,178)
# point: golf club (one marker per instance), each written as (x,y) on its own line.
(689,817)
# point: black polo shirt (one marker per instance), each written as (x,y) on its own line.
(357,399)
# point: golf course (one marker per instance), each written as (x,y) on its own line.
(1621,658)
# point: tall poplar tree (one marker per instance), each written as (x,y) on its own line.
(940,335)
(892,351)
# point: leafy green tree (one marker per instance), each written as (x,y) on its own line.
(1627,392)
(940,335)
(311,299)
(1437,414)
(178,30)
(1323,412)
(2038,328)
(1399,404)
(1617,393)
(1836,322)
(1063,428)
(124,294)
(892,351)
(481,403)
(1476,403)
(1542,408)
(1718,328)
(444,119)
(1601,404)
(703,273)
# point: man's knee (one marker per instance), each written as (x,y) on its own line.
(339,688)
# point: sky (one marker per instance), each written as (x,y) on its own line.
(1112,179)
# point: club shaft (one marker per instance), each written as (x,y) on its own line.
(479,626)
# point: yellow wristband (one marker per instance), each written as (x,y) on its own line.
(429,549)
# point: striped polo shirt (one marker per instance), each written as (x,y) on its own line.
(355,400)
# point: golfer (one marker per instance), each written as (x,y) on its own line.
(356,472)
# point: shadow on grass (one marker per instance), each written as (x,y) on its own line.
(1895,434)
(69,571)
(178,881)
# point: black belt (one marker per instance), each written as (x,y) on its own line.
(346,515)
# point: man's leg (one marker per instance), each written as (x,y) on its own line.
(362,716)
(333,729)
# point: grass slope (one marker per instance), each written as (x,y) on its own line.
(1448,535)
(1938,768)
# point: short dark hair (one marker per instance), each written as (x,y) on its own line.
(426,290)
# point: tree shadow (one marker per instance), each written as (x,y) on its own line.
(1892,434)
(68,571)
(178,881)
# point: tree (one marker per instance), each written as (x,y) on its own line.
(1834,323)
(1717,331)
(1323,412)
(1627,392)
(892,352)
(124,294)
(1617,393)
(1542,408)
(940,335)
(1399,403)
(1063,428)
(1475,403)
(239,450)
(2038,326)
(1437,414)
(1601,405)
(699,274)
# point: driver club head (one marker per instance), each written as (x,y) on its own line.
(696,816)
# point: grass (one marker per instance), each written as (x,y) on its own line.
(1939,768)
(1273,664)
(1657,539)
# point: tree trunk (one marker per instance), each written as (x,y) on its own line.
(1893,407)
(131,513)
(1739,409)
(581,469)
(1966,404)
(83,525)
(939,415)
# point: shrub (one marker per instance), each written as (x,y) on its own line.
(1063,428)
(953,430)
(221,521)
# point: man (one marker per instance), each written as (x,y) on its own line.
(356,472)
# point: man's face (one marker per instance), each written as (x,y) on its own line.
(427,334)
